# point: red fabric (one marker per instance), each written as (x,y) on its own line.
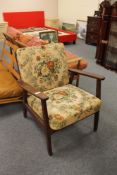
(22,20)
(67,38)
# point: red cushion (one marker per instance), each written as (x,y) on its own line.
(24,19)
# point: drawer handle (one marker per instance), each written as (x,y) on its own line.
(104,42)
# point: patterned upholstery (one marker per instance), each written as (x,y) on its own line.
(66,105)
(43,67)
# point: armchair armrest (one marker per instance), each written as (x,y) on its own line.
(32,90)
(43,97)
(88,74)
(98,78)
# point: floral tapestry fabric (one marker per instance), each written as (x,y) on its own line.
(44,67)
(66,105)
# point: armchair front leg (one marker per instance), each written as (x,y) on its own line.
(98,88)
(96,121)
(47,128)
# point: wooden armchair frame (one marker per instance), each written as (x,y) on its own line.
(8,61)
(11,53)
(43,97)
(44,123)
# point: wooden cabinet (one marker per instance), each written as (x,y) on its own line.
(106,53)
(110,60)
(93,26)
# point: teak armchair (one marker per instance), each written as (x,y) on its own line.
(48,93)
(10,91)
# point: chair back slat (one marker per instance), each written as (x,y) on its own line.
(8,56)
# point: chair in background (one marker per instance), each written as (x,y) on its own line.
(10,91)
(21,40)
(14,40)
(48,93)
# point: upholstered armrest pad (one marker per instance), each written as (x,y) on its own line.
(88,74)
(32,90)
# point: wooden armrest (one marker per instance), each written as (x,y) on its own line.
(19,44)
(88,74)
(32,90)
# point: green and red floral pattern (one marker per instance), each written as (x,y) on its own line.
(66,105)
(43,67)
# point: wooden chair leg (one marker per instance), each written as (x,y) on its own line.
(49,145)
(77,80)
(24,111)
(96,120)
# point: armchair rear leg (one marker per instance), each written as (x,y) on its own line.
(49,145)
(96,120)
(77,80)
(24,111)
(24,102)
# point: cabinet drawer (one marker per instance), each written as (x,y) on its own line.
(91,38)
(93,21)
(94,29)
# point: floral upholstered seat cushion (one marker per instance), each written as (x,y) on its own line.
(43,67)
(66,105)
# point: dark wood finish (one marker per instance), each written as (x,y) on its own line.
(102,40)
(47,127)
(106,53)
(45,122)
(93,27)
(96,121)
(98,88)
(24,102)
(32,90)
(88,74)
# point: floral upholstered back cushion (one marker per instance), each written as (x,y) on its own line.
(43,67)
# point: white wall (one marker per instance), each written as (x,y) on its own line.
(49,6)
(71,10)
